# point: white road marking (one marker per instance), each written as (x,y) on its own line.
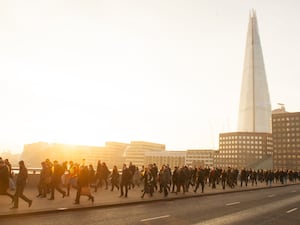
(232,203)
(61,209)
(239,217)
(270,196)
(291,210)
(155,218)
(293,191)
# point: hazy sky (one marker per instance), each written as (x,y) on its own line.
(165,71)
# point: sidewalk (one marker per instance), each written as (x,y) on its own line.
(105,198)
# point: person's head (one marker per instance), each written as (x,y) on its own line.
(21,163)
(2,163)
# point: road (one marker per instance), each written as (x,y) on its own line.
(260,207)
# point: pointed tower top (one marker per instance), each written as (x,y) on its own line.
(255,106)
(252,13)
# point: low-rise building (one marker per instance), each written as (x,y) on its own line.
(200,157)
(244,150)
(135,152)
(171,158)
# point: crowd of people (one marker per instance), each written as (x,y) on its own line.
(85,179)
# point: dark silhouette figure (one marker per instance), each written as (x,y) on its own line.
(4,179)
(20,185)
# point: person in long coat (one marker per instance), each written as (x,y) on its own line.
(44,181)
(148,182)
(4,179)
(58,171)
(125,180)
(200,179)
(20,185)
(83,185)
(115,178)
(165,180)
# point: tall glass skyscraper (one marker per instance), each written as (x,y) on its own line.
(255,106)
(252,145)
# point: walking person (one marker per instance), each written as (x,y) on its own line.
(98,175)
(125,180)
(20,185)
(253,177)
(165,180)
(175,176)
(72,176)
(224,177)
(12,185)
(200,179)
(44,181)
(213,178)
(104,174)
(92,176)
(115,178)
(4,180)
(181,180)
(244,177)
(132,171)
(148,182)
(83,185)
(55,184)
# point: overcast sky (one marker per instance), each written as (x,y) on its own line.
(164,71)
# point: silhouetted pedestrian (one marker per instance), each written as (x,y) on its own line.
(20,185)
(58,171)
(83,185)
(115,178)
(125,180)
(4,180)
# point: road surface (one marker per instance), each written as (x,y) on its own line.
(274,206)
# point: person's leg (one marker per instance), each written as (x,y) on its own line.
(60,190)
(78,193)
(22,196)
(126,191)
(122,190)
(52,189)
(16,197)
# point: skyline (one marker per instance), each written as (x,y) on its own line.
(168,72)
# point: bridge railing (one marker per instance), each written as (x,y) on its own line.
(33,170)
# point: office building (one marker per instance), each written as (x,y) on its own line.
(245,150)
(286,138)
(200,157)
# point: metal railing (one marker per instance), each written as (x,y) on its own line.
(15,170)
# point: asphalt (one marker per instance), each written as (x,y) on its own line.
(106,198)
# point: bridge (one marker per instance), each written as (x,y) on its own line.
(107,198)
